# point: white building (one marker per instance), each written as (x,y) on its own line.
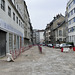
(71,20)
(41,36)
(12,26)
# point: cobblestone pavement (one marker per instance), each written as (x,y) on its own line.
(31,62)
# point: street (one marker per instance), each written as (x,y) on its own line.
(32,62)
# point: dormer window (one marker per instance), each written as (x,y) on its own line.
(13,1)
(58,24)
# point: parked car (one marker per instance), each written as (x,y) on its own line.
(69,45)
(57,45)
(65,45)
(49,45)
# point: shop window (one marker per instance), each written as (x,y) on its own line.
(14,41)
(17,42)
(10,41)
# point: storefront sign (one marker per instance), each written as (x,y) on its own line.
(7,27)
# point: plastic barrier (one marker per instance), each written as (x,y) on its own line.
(65,49)
(61,49)
(53,46)
(73,48)
(16,53)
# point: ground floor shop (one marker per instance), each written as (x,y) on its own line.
(11,39)
(26,41)
(71,38)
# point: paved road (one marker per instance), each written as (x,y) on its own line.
(31,62)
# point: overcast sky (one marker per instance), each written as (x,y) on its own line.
(42,11)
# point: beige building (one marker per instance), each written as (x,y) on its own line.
(55,30)
(47,34)
(60,32)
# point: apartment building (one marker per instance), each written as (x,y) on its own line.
(36,38)
(60,32)
(47,34)
(55,31)
(13,26)
(71,21)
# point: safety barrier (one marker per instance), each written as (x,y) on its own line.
(73,48)
(67,49)
(16,52)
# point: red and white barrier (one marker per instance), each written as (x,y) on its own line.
(16,52)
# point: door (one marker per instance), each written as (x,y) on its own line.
(2,43)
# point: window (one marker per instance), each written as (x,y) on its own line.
(74,19)
(74,1)
(13,16)
(3,5)
(72,29)
(17,42)
(70,38)
(10,41)
(60,32)
(17,20)
(21,24)
(69,22)
(72,12)
(16,6)
(14,41)
(68,15)
(60,39)
(9,11)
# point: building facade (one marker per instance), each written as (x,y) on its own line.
(71,21)
(36,37)
(60,32)
(55,30)
(56,22)
(12,25)
(47,34)
(41,36)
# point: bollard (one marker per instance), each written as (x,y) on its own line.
(73,48)
(53,46)
(61,49)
